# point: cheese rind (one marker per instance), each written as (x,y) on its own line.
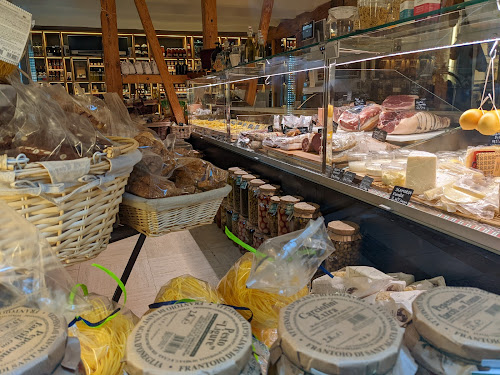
(421,171)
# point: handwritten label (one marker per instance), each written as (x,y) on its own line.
(495,139)
(348,177)
(401,195)
(421,105)
(337,174)
(359,101)
(366,183)
(379,135)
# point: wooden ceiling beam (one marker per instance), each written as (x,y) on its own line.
(265,17)
(209,23)
(110,47)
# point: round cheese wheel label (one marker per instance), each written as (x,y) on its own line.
(190,338)
(460,321)
(31,341)
(339,334)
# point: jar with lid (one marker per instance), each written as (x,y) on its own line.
(244,188)
(302,214)
(253,201)
(265,194)
(242,233)
(373,13)
(272,215)
(231,182)
(341,20)
(229,219)
(357,161)
(346,237)
(234,224)
(285,214)
(223,217)
(250,230)
(236,190)
(258,239)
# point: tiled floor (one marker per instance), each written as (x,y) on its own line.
(203,252)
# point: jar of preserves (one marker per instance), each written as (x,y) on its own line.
(346,237)
(302,214)
(272,215)
(250,230)
(234,224)
(242,233)
(244,188)
(285,214)
(231,182)
(229,219)
(373,13)
(258,239)
(253,201)
(265,194)
(236,188)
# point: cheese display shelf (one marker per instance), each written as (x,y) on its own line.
(383,103)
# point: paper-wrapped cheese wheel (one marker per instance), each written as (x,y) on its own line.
(461,321)
(190,338)
(31,341)
(338,334)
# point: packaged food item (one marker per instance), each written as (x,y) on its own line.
(272,215)
(357,161)
(394,11)
(341,20)
(264,306)
(424,6)
(302,214)
(346,238)
(250,230)
(242,233)
(188,287)
(394,174)
(232,182)
(373,13)
(190,338)
(265,194)
(374,169)
(238,177)
(244,189)
(335,334)
(235,225)
(421,171)
(253,201)
(285,214)
(406,9)
(35,341)
(485,159)
(229,220)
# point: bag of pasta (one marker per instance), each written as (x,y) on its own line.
(103,330)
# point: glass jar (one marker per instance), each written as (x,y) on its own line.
(302,214)
(265,194)
(253,201)
(245,179)
(285,214)
(242,233)
(223,218)
(250,230)
(272,215)
(357,161)
(373,13)
(231,182)
(346,237)
(341,20)
(229,219)
(235,225)
(236,189)
(258,239)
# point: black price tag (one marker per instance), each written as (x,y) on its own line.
(348,177)
(366,183)
(421,105)
(495,139)
(401,195)
(337,174)
(359,101)
(379,135)
(335,126)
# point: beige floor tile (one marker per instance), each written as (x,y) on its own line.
(172,244)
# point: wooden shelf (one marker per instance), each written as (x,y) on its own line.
(151,78)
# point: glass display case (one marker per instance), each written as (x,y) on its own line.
(376,115)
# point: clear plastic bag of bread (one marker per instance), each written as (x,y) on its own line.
(285,264)
(121,122)
(201,174)
(95,108)
(103,347)
(38,128)
(30,272)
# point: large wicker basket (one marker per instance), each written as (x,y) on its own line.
(76,217)
(156,217)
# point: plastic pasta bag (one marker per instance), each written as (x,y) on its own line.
(285,264)
(188,287)
(103,346)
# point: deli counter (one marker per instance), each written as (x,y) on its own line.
(380,116)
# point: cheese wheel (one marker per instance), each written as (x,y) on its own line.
(461,321)
(339,334)
(191,338)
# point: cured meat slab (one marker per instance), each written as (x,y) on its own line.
(399,102)
(360,118)
(411,122)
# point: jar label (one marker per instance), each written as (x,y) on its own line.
(289,210)
(273,209)
(244,185)
(238,180)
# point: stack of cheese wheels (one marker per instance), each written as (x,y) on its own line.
(454,329)
(191,338)
(335,334)
(34,341)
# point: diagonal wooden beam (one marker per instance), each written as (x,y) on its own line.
(110,47)
(149,29)
(265,17)
(209,23)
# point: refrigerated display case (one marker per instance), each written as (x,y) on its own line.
(381,96)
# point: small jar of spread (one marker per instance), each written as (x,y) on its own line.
(285,214)
(346,237)
(265,194)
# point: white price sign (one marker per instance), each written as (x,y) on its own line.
(15,24)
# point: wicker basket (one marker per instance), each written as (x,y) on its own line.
(156,217)
(75,217)
(183,132)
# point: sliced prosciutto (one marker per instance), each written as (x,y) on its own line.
(411,122)
(360,118)
(399,102)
